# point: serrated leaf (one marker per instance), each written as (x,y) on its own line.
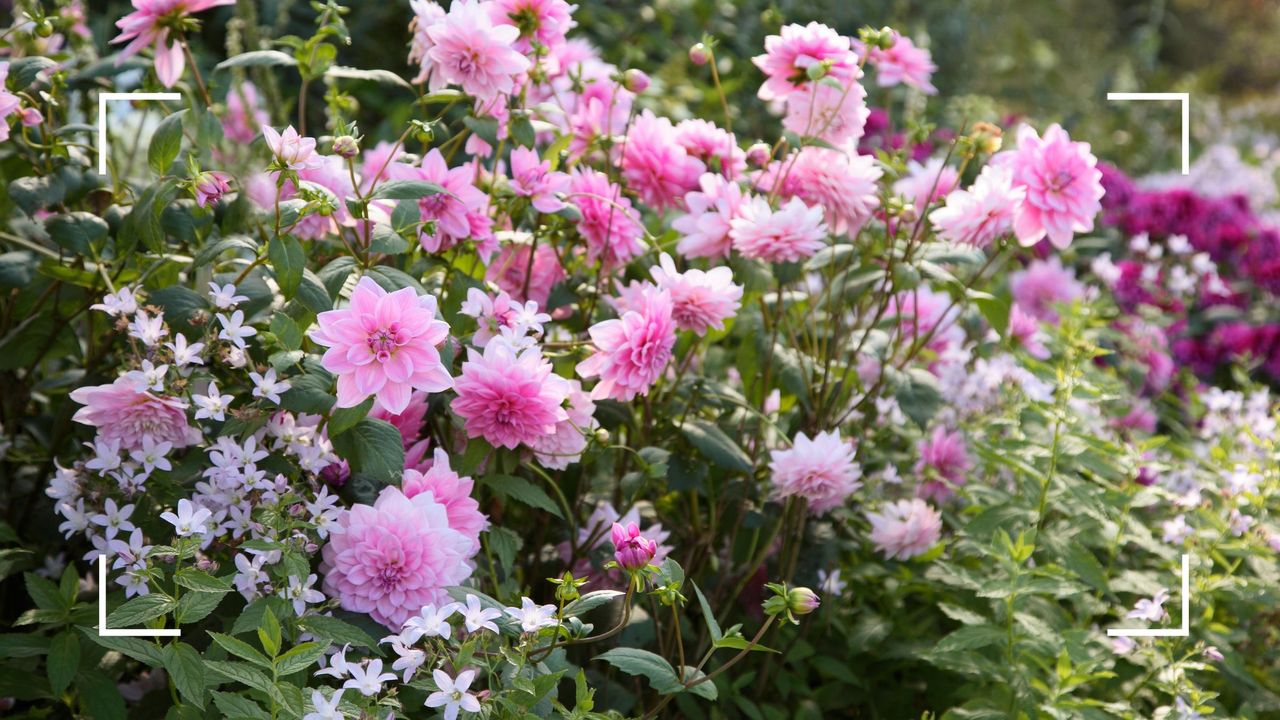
(971,637)
(339,632)
(240,672)
(186,667)
(201,581)
(241,649)
(374,449)
(140,610)
(238,706)
(299,657)
(63,661)
(136,648)
(196,606)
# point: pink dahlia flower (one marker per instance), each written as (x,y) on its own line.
(944,459)
(924,312)
(509,399)
(716,147)
(408,421)
(210,186)
(523,280)
(844,185)
(793,232)
(904,63)
(564,447)
(828,113)
(654,164)
(149,24)
(453,214)
(292,151)
(982,213)
(788,57)
(705,229)
(1042,285)
(451,490)
(633,350)
(391,558)
(632,550)
(610,226)
(545,22)
(533,178)
(905,529)
(700,300)
(383,344)
(926,183)
(426,13)
(822,471)
(469,50)
(1024,330)
(125,413)
(1063,186)
(244,114)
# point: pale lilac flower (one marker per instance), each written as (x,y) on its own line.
(291,150)
(325,709)
(469,50)
(476,617)
(301,593)
(249,575)
(793,232)
(189,520)
(225,297)
(113,519)
(185,354)
(338,666)
(1211,652)
(150,330)
(1123,644)
(1239,523)
(121,303)
(233,329)
(408,659)
(821,471)
(131,554)
(213,405)
(532,616)
(700,300)
(106,455)
(1150,610)
(830,583)
(149,376)
(134,584)
(266,385)
(905,529)
(453,695)
(368,679)
(383,344)
(533,178)
(431,621)
(152,455)
(150,23)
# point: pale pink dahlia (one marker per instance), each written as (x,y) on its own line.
(905,529)
(610,226)
(449,217)
(126,413)
(633,350)
(451,490)
(926,183)
(844,185)
(654,164)
(469,50)
(904,63)
(149,24)
(533,178)
(409,420)
(426,13)
(705,229)
(831,114)
(244,114)
(700,300)
(1042,285)
(391,558)
(512,266)
(545,22)
(982,213)
(822,471)
(383,344)
(509,399)
(291,150)
(1063,186)
(788,57)
(1024,330)
(943,464)
(716,147)
(564,447)
(793,232)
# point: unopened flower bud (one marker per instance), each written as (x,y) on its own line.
(632,550)
(758,155)
(31,116)
(987,138)
(602,436)
(210,186)
(635,80)
(817,71)
(345,146)
(44,28)
(802,601)
(699,54)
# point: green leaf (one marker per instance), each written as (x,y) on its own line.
(522,131)
(257,58)
(186,667)
(22,645)
(505,543)
(300,657)
(713,443)
(971,637)
(391,279)
(407,190)
(310,392)
(269,633)
(486,128)
(522,491)
(338,632)
(45,594)
(385,77)
(24,71)
(64,660)
(243,673)
(288,260)
(196,606)
(201,581)
(211,251)
(919,397)
(590,601)
(1081,561)
(286,331)
(738,642)
(634,661)
(33,193)
(386,241)
(77,232)
(99,696)
(706,689)
(343,419)
(140,610)
(374,449)
(708,617)
(138,649)
(238,706)
(166,142)
(240,649)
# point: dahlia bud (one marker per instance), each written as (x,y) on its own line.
(31,116)
(1146,477)
(632,550)
(44,28)
(802,601)
(790,602)
(758,155)
(635,81)
(602,436)
(210,186)
(699,54)
(987,138)
(346,146)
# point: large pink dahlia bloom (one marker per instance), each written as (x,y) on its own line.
(393,557)
(1063,186)
(383,344)
(821,471)
(507,398)
(469,50)
(451,490)
(788,57)
(905,529)
(122,411)
(633,350)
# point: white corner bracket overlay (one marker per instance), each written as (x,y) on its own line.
(1183,631)
(1185,99)
(103,630)
(106,97)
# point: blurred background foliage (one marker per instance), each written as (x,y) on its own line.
(1049,60)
